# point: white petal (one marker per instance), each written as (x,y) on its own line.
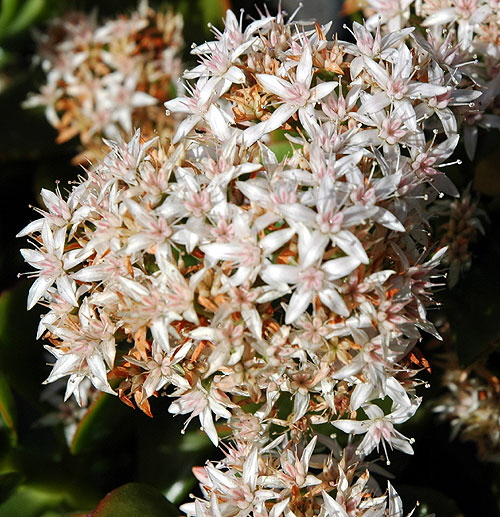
(299,302)
(332,299)
(304,71)
(351,426)
(441,17)
(388,219)
(333,507)
(351,245)
(274,274)
(38,289)
(274,84)
(322,90)
(341,267)
(275,240)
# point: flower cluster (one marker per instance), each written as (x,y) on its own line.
(278,294)
(251,479)
(461,34)
(104,80)
(464,221)
(472,406)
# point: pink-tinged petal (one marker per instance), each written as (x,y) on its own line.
(299,214)
(350,245)
(478,15)
(73,258)
(275,274)
(235,75)
(275,240)
(356,214)
(387,219)
(365,138)
(357,66)
(98,377)
(333,508)
(72,387)
(185,127)
(308,451)
(374,103)
(308,119)
(179,105)
(210,92)
(274,84)
(418,90)
(378,73)
(322,90)
(66,288)
(446,148)
(393,38)
(403,110)
(254,133)
(299,302)
(341,267)
(368,443)
(332,299)
(304,70)
(65,365)
(445,185)
(133,289)
(441,17)
(208,426)
(395,503)
(32,257)
(311,246)
(402,445)
(361,394)
(253,321)
(34,226)
(354,367)
(140,99)
(251,469)
(38,289)
(279,508)
(300,405)
(218,123)
(351,426)
(279,117)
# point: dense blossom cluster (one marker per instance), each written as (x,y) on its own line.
(105,80)
(461,35)
(471,405)
(281,296)
(463,223)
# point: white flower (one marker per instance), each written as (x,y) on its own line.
(297,96)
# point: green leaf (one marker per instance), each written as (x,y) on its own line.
(102,417)
(21,356)
(7,13)
(28,501)
(7,408)
(213,11)
(29,13)
(8,483)
(135,499)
